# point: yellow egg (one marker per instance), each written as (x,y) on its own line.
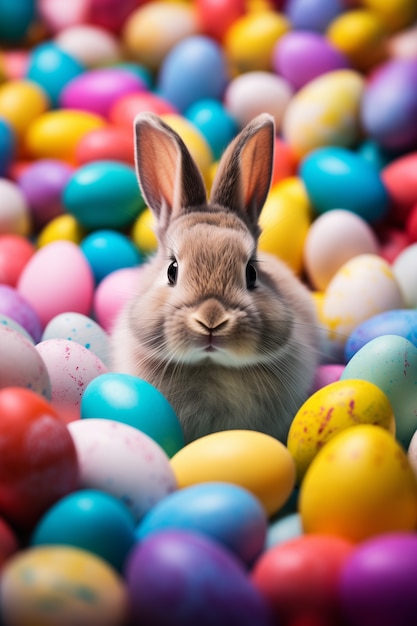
(396,14)
(250,40)
(359,485)
(325,112)
(143,232)
(21,102)
(361,35)
(284,223)
(62,227)
(247,458)
(56,134)
(294,188)
(61,586)
(332,409)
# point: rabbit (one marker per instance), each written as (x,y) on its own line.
(225,333)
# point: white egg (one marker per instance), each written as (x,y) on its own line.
(404,268)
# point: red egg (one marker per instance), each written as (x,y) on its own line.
(400,179)
(125,109)
(15,252)
(110,143)
(38,459)
(215,16)
(285,162)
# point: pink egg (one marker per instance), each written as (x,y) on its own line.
(91,45)
(57,279)
(125,108)
(112,293)
(111,143)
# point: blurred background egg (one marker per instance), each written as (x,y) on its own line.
(93,46)
(21,102)
(112,293)
(15,252)
(14,210)
(20,310)
(403,269)
(107,251)
(313,15)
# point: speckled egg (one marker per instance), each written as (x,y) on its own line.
(16,307)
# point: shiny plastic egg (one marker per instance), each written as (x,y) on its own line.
(21,102)
(215,16)
(126,108)
(20,310)
(246,458)
(63,227)
(112,293)
(14,210)
(15,252)
(109,250)
(93,46)
(390,362)
(332,409)
(215,122)
(16,20)
(404,272)
(106,144)
(325,112)
(79,586)
(133,401)
(358,486)
(143,232)
(122,461)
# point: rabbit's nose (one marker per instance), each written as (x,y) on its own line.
(211,316)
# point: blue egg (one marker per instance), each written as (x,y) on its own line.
(7,146)
(91,520)
(109,250)
(52,68)
(134,402)
(194,69)
(283,529)
(337,178)
(16,18)
(103,194)
(214,121)
(224,512)
(402,322)
(314,15)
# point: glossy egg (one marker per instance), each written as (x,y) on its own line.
(125,109)
(79,586)
(112,293)
(215,16)
(143,232)
(107,251)
(403,268)
(215,122)
(21,102)
(103,194)
(332,409)
(20,310)
(390,361)
(122,461)
(14,210)
(63,227)
(224,512)
(57,279)
(325,112)
(246,458)
(358,486)
(106,144)
(313,15)
(135,402)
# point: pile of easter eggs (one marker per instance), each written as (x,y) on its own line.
(106,516)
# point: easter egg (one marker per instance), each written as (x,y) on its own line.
(300,577)
(79,328)
(359,485)
(334,238)
(80,587)
(93,46)
(293,48)
(71,367)
(63,227)
(226,513)
(122,461)
(21,365)
(56,134)
(215,122)
(283,529)
(396,14)
(400,180)
(14,210)
(325,112)
(313,15)
(326,374)
(194,69)
(389,105)
(209,584)
(106,144)
(403,268)
(403,45)
(215,16)
(57,279)
(103,194)
(126,108)
(381,570)
(255,92)
(390,362)
(16,20)
(15,252)
(245,458)
(250,40)
(332,409)
(35,446)
(152,30)
(337,178)
(90,520)
(107,251)
(143,232)
(112,293)
(21,102)
(7,146)
(8,322)
(52,68)
(135,402)
(19,309)
(363,287)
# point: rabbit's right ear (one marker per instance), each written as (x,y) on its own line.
(168,176)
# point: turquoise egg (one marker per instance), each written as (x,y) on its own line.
(108,251)
(214,121)
(52,68)
(103,194)
(91,520)
(337,178)
(16,18)
(390,362)
(135,402)
(224,512)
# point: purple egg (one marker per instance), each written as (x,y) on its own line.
(97,90)
(389,105)
(326,374)
(178,578)
(18,309)
(291,51)
(42,182)
(379,582)
(313,14)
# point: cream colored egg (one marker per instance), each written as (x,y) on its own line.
(404,268)
(92,45)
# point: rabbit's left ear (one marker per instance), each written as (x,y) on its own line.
(244,173)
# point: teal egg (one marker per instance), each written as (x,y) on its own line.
(103,194)
(135,402)
(214,121)
(16,18)
(7,146)
(107,251)
(390,362)
(338,178)
(91,520)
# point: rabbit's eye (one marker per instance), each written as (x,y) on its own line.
(251,276)
(172,272)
